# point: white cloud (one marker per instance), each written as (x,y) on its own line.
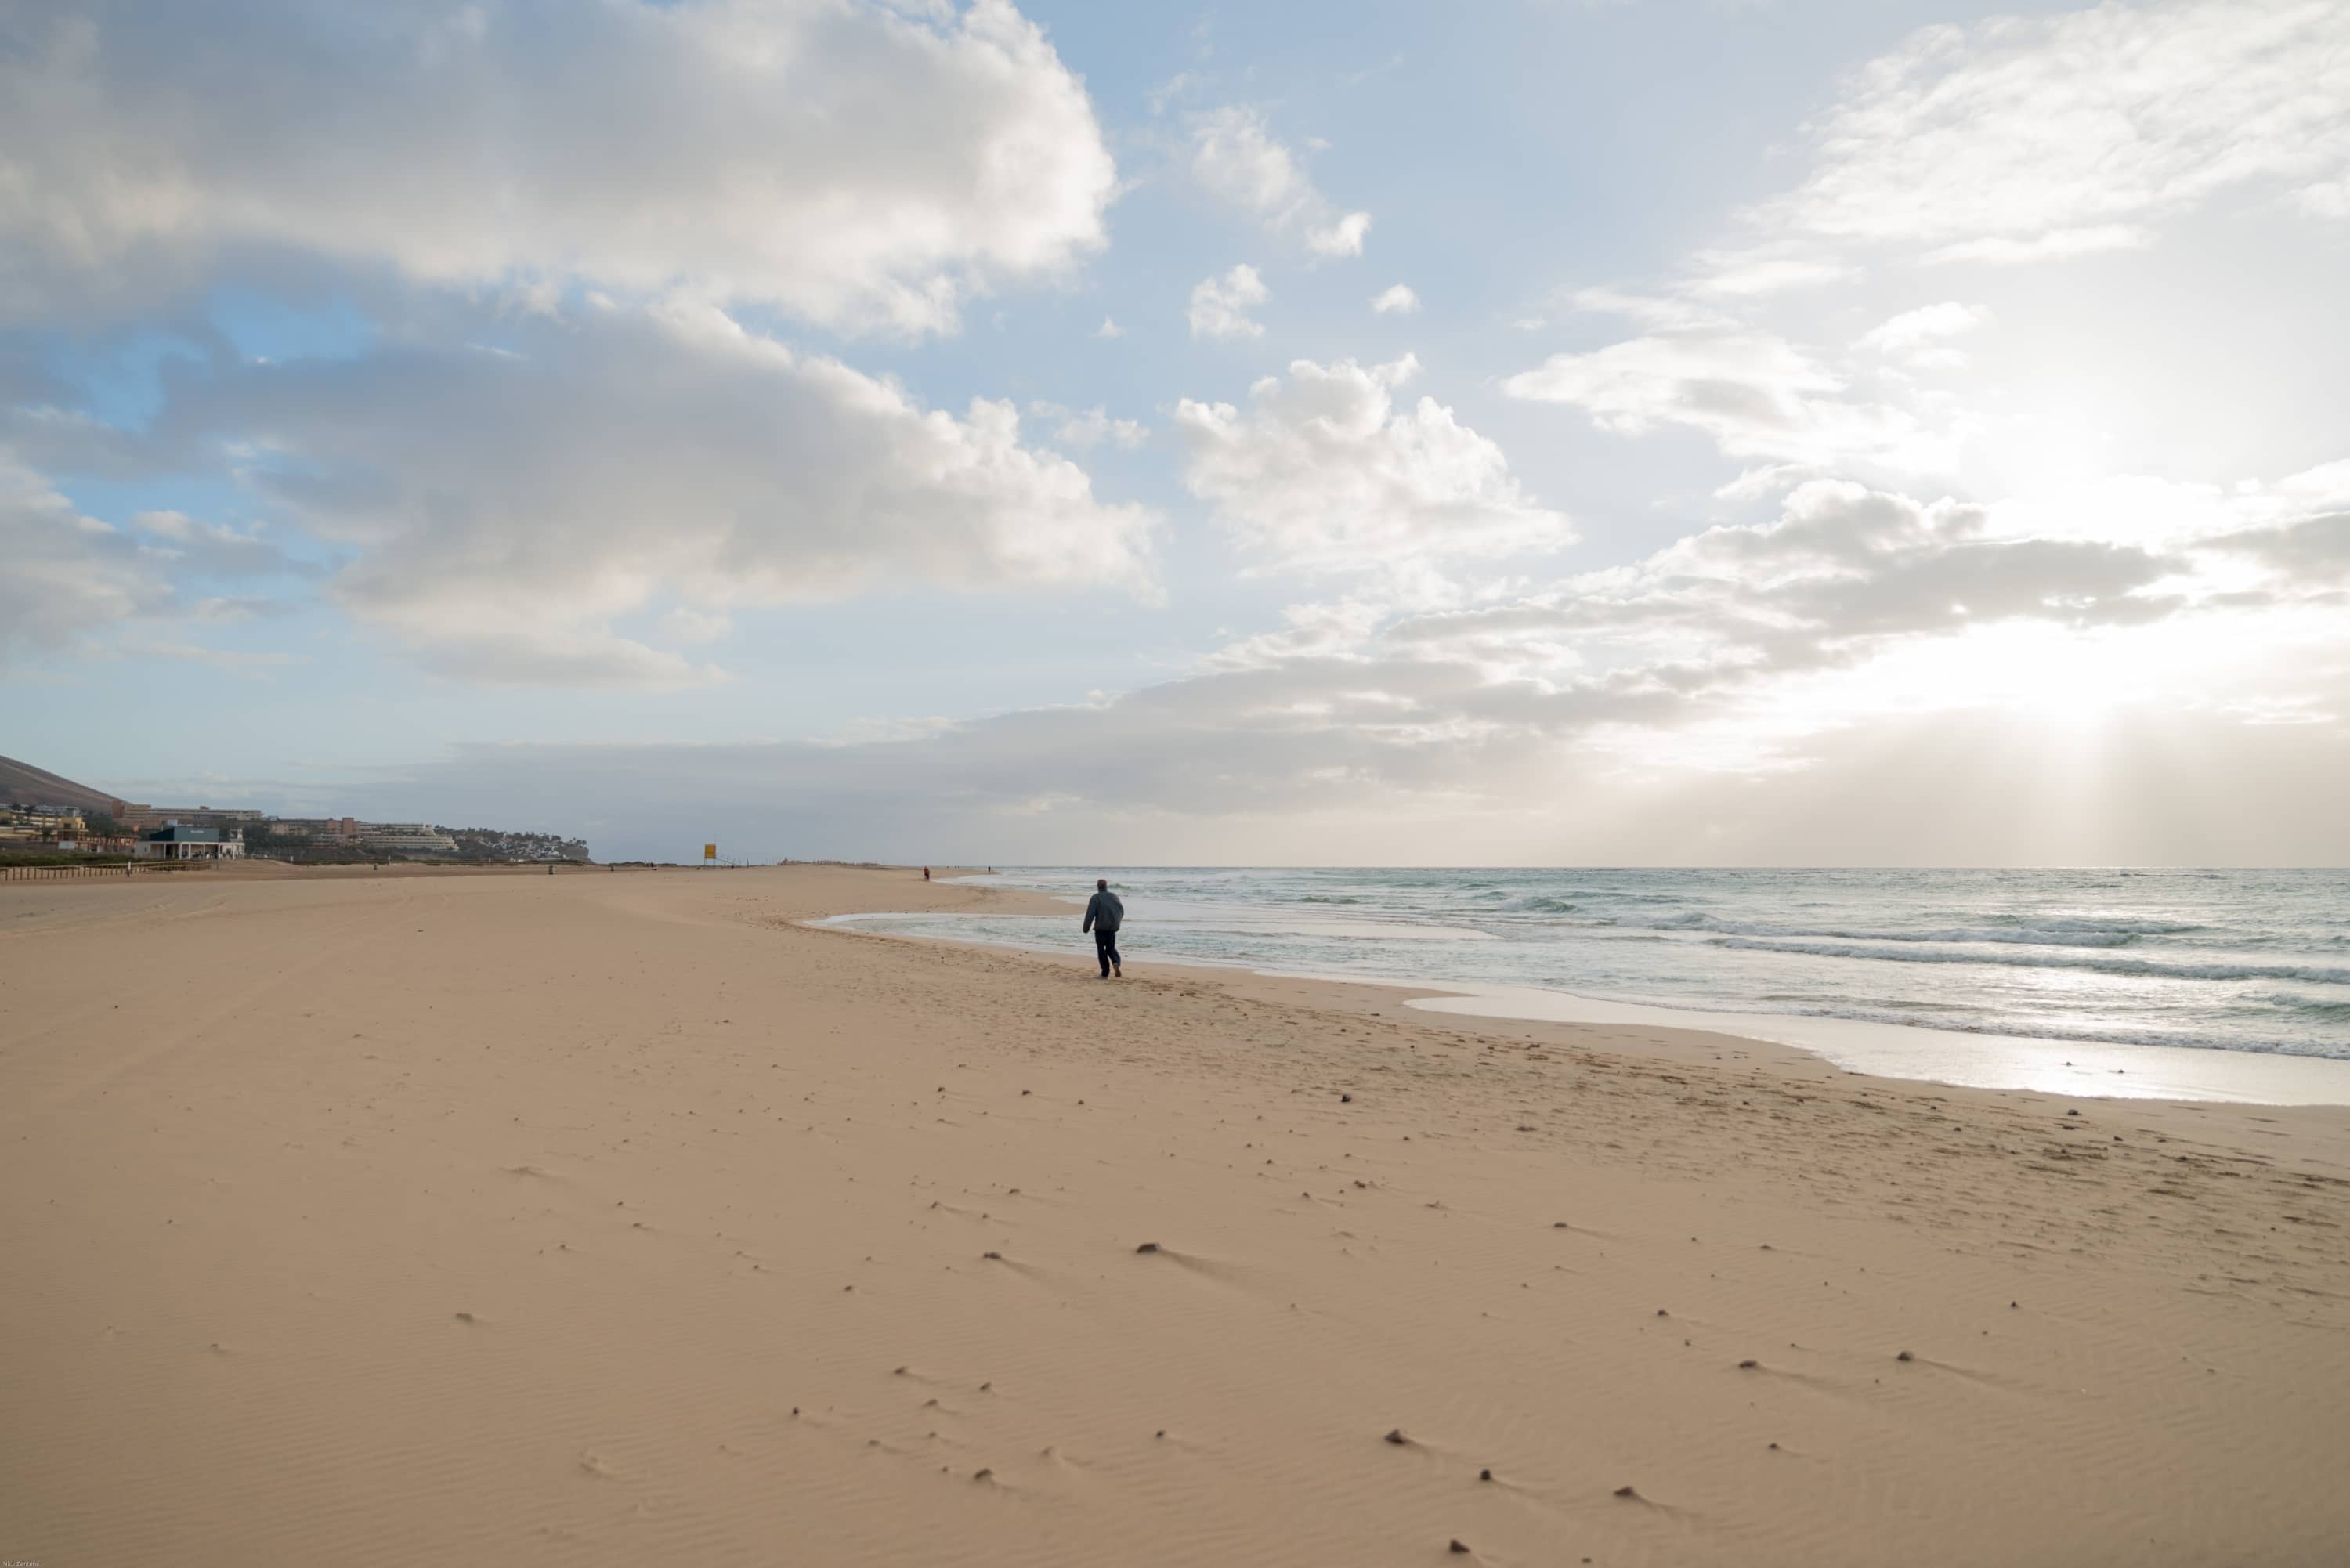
(69,578)
(1859,648)
(1919,330)
(1235,157)
(214,549)
(1749,274)
(1920,339)
(1109,328)
(1757,395)
(1323,471)
(860,164)
(1343,238)
(688,624)
(506,512)
(1081,430)
(1663,312)
(2055,245)
(65,574)
(2013,140)
(2023,138)
(1396,299)
(2305,554)
(1843,561)
(1220,305)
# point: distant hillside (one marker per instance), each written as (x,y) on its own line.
(22,782)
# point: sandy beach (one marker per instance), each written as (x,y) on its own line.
(623,1218)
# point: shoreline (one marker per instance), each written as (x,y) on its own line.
(599,1219)
(1641,1035)
(1896,1053)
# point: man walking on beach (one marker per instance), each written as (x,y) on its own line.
(1104,915)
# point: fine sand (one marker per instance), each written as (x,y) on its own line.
(617,1217)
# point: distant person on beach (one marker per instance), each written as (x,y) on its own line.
(1104,915)
(926,873)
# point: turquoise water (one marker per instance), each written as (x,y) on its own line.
(2235,960)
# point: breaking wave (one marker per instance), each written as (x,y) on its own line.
(2315,975)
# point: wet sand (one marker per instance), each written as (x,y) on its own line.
(374,1217)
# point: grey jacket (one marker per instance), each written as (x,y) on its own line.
(1103,909)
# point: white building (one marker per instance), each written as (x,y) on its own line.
(406,838)
(174,842)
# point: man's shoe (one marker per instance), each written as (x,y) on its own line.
(1117,971)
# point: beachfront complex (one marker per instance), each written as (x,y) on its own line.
(48,814)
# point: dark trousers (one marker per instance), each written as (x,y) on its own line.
(1105,946)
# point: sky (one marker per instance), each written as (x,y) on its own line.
(1515,431)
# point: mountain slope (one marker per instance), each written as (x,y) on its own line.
(24,784)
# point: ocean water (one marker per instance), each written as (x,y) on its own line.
(2226,961)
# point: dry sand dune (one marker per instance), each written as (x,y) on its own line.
(616,1218)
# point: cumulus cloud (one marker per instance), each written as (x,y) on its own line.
(1757,395)
(1081,430)
(1841,574)
(1324,471)
(860,164)
(507,511)
(1396,299)
(2029,138)
(1343,238)
(1844,562)
(1220,305)
(1236,156)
